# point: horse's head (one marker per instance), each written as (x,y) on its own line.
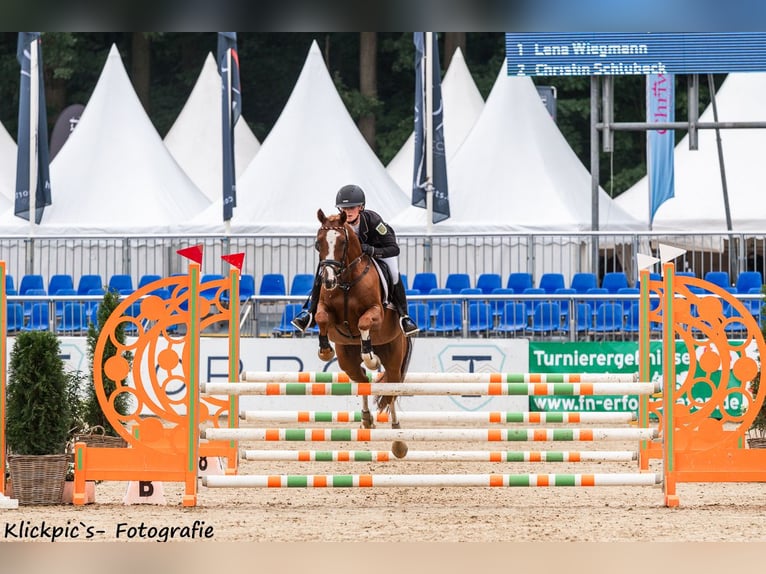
(332,243)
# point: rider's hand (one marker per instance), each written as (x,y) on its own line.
(368,249)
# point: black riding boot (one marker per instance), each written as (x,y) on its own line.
(305,318)
(399,299)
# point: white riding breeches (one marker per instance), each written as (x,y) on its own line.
(393,266)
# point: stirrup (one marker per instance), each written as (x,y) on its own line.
(302,320)
(413,327)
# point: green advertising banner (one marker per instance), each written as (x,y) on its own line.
(610,357)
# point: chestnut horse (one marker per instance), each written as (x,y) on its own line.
(351,313)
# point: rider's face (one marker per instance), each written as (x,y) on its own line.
(352,213)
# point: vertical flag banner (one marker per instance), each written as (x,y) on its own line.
(231,109)
(32,172)
(430,134)
(660,107)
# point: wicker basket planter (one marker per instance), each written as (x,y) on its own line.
(97,438)
(38,479)
(757,442)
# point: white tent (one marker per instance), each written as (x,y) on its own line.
(462,105)
(698,203)
(7,167)
(114,174)
(515,171)
(194,140)
(313,150)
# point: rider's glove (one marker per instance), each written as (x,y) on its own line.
(368,249)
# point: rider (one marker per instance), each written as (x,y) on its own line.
(378,241)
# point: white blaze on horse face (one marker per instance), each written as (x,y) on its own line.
(329,273)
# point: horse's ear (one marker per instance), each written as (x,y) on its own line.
(321,216)
(343,217)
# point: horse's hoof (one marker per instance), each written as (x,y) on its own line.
(327,354)
(399,448)
(371,362)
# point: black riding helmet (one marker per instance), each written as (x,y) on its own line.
(349,196)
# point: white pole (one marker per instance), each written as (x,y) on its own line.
(34,128)
(428,132)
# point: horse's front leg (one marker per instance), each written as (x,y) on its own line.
(322,318)
(369,322)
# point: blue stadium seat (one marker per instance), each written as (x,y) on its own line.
(748,280)
(583,319)
(14,317)
(272,284)
(519,281)
(581,282)
(148,278)
(10,287)
(565,303)
(449,318)
(532,303)
(513,318)
(551,281)
(31,282)
(720,278)
(433,306)
(210,293)
(28,305)
(60,304)
(58,282)
(458,281)
(285,327)
(480,319)
(614,280)
(74,319)
(121,283)
(89,282)
(487,282)
(424,282)
(302,284)
(419,313)
(246,288)
(39,319)
(609,318)
(499,304)
(546,318)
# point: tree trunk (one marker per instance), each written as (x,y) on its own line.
(368,81)
(452,41)
(141,66)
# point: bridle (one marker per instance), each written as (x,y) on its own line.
(340,267)
(338,273)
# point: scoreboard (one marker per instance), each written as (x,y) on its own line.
(620,53)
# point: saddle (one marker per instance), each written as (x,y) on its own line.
(386,281)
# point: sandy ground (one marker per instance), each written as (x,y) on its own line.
(708,512)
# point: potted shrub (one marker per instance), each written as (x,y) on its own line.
(37,418)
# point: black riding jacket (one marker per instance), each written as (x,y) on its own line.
(375,232)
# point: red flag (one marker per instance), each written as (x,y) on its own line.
(194,253)
(234,259)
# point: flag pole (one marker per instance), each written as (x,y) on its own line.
(34,129)
(227,222)
(428,131)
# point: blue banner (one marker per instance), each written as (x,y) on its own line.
(231,109)
(660,108)
(33,133)
(436,137)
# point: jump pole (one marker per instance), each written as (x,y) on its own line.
(460,434)
(341,377)
(438,456)
(451,417)
(430,480)
(482,389)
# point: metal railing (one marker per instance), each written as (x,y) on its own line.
(443,254)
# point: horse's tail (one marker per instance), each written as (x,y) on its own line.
(383,402)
